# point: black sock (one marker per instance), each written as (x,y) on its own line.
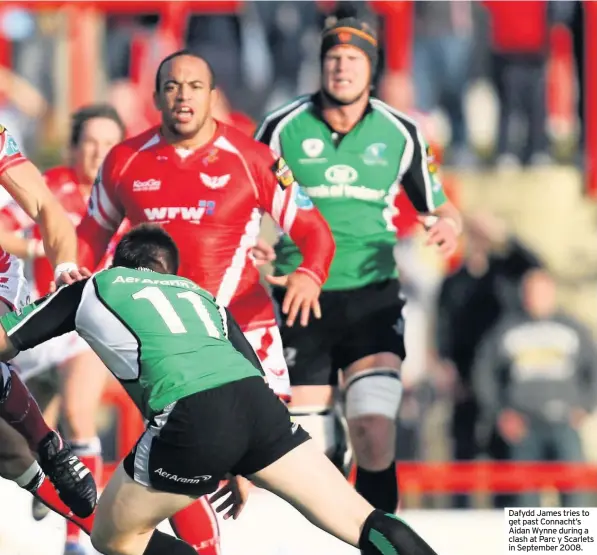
(379,488)
(161,544)
(381,529)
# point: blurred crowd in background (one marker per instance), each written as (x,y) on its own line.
(480,328)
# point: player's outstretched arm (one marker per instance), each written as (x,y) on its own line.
(45,318)
(26,185)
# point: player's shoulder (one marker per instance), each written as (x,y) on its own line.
(129,147)
(281,116)
(251,149)
(402,122)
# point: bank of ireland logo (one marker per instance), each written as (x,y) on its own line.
(374,154)
(341,174)
(312,147)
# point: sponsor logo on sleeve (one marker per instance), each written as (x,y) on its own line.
(431,161)
(283,173)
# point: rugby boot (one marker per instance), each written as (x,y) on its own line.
(71,478)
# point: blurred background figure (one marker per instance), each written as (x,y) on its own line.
(519,47)
(441,64)
(535,377)
(471,301)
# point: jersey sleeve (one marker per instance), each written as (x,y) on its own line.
(104,214)
(10,153)
(292,209)
(104,206)
(421,181)
(48,317)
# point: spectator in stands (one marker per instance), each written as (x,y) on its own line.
(471,301)
(441,60)
(519,45)
(536,377)
(286,24)
(217,38)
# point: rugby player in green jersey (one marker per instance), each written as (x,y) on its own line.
(352,154)
(189,369)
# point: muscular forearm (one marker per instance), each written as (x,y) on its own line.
(27,187)
(58,234)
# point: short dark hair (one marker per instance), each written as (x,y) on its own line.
(177,54)
(92,111)
(147,246)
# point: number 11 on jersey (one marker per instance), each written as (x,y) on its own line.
(169,315)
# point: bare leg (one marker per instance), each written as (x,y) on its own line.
(307,480)
(128,513)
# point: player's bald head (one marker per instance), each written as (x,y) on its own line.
(201,66)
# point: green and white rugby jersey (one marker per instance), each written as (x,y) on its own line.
(353,180)
(162,336)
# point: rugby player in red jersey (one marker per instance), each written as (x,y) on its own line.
(208,185)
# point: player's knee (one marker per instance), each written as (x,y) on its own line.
(373,441)
(102,542)
(320,423)
(373,392)
(108,543)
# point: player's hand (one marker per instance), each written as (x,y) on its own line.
(235,494)
(302,295)
(263,253)
(441,232)
(66,278)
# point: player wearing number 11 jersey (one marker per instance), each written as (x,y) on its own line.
(192,373)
